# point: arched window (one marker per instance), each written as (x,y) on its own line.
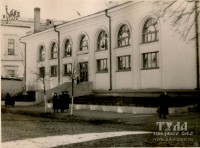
(67,48)
(123,36)
(54,51)
(150,31)
(84,43)
(41,53)
(102,41)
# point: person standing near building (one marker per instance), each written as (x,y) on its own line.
(163,108)
(62,102)
(67,98)
(55,103)
(7,100)
(13,101)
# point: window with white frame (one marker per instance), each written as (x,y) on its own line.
(41,53)
(11,73)
(41,72)
(67,48)
(54,71)
(54,51)
(11,47)
(123,36)
(102,41)
(102,65)
(67,69)
(150,60)
(124,62)
(84,43)
(150,31)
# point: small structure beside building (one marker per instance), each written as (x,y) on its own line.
(13,64)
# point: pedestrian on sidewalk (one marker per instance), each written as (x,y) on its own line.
(55,102)
(163,108)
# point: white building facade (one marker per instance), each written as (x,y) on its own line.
(12,50)
(122,48)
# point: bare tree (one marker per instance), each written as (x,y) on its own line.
(73,75)
(183,14)
(42,77)
(22,59)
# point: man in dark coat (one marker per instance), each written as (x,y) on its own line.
(67,99)
(55,102)
(7,100)
(62,102)
(163,112)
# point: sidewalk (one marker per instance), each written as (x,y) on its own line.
(86,115)
(101,119)
(81,115)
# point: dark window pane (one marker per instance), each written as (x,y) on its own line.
(123,36)
(150,60)
(150,30)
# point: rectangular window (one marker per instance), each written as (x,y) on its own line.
(124,62)
(11,73)
(11,47)
(42,72)
(67,69)
(53,71)
(150,60)
(102,65)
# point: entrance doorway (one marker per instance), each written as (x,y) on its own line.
(83,71)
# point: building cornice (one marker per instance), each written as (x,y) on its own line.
(10,25)
(11,60)
(82,19)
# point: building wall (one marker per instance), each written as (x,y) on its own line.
(12,62)
(176,58)
(11,86)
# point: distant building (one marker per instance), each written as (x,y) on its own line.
(122,48)
(12,50)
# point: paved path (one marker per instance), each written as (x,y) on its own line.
(53,141)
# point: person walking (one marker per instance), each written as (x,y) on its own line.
(55,103)
(163,108)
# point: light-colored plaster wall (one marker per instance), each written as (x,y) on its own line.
(176,58)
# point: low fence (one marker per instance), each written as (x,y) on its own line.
(173,101)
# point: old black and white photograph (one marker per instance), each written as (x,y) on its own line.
(100,73)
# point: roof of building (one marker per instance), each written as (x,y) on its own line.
(110,8)
(29,22)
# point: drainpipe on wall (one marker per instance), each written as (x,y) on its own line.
(110,50)
(197,42)
(24,61)
(58,54)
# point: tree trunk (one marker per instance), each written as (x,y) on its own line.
(45,104)
(72,104)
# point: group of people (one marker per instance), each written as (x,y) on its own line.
(9,101)
(61,102)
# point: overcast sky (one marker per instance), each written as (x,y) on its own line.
(56,9)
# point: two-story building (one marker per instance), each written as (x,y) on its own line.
(13,27)
(124,47)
